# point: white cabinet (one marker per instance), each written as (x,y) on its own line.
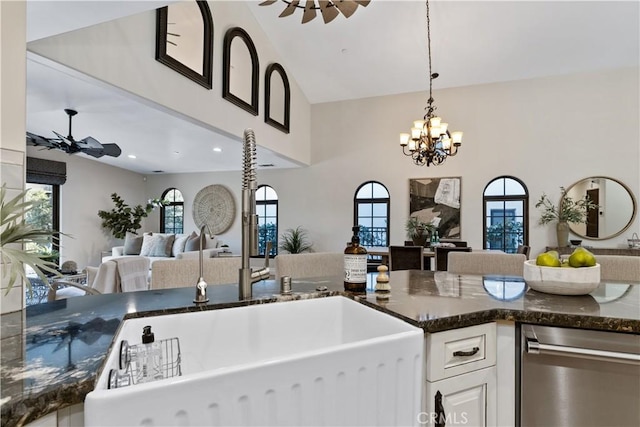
(460,386)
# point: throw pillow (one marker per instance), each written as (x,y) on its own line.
(132,244)
(193,243)
(157,245)
(179,244)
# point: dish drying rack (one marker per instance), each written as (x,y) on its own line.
(130,370)
(634,241)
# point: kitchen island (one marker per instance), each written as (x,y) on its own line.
(53,352)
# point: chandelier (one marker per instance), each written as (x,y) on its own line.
(328,9)
(430,142)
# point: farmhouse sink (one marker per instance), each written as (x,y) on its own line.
(324,361)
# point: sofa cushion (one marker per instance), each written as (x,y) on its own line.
(157,245)
(179,243)
(132,244)
(193,243)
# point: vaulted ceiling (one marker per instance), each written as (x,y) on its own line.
(379,50)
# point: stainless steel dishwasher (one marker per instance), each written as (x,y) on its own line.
(576,377)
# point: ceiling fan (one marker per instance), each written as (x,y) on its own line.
(69,145)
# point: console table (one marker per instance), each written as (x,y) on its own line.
(567,250)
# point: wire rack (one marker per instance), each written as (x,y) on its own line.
(131,366)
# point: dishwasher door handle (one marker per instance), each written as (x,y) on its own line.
(535,347)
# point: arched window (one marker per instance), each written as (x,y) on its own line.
(172,215)
(506,217)
(371,207)
(267,210)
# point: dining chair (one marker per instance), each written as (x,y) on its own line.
(619,267)
(406,258)
(313,264)
(499,263)
(524,249)
(442,255)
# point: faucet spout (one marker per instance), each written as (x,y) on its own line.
(247,277)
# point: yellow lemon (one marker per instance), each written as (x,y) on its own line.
(547,260)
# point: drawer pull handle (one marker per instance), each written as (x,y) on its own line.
(467,353)
(441,417)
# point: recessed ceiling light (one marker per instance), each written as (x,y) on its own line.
(217,150)
(131,156)
(176,152)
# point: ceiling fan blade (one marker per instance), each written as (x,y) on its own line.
(347,7)
(267,2)
(329,12)
(41,141)
(64,139)
(93,152)
(364,3)
(89,142)
(112,150)
(309,11)
(291,7)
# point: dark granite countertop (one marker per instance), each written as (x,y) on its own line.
(52,352)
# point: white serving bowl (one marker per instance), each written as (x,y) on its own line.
(561,280)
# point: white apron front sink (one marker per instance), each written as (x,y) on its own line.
(325,361)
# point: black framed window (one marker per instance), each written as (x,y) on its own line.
(506,214)
(172,214)
(267,211)
(43,179)
(371,211)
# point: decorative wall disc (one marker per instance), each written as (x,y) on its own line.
(214,206)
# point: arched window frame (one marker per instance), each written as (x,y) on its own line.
(504,198)
(263,233)
(171,206)
(367,237)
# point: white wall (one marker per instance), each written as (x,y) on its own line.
(548,132)
(122,53)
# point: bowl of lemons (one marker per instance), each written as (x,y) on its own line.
(577,275)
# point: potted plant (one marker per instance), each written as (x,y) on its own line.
(122,218)
(16,234)
(294,241)
(418,231)
(569,210)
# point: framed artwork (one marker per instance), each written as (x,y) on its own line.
(240,67)
(277,98)
(437,201)
(184,40)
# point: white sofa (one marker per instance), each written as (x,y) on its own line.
(175,248)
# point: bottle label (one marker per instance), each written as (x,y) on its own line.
(355,268)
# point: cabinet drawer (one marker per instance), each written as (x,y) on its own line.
(459,351)
(466,400)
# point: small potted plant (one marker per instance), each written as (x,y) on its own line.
(569,210)
(418,231)
(294,241)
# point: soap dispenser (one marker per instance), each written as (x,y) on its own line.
(355,264)
(150,359)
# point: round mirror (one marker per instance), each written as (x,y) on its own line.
(616,207)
